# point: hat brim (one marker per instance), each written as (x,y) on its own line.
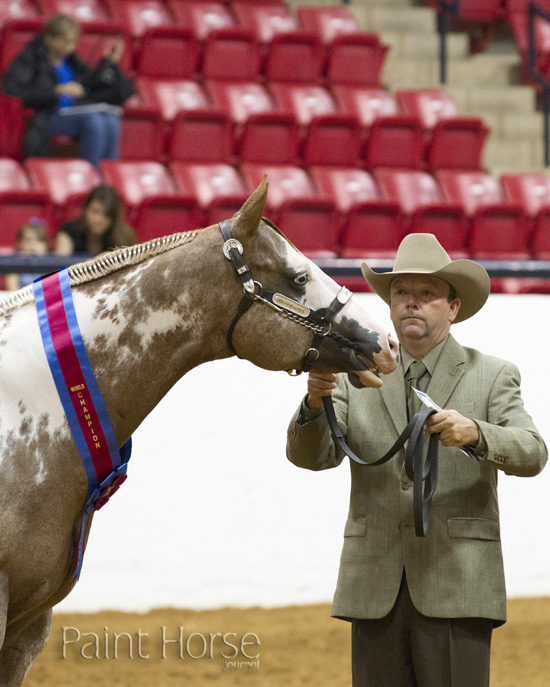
(469,279)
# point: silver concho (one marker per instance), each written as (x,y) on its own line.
(291,305)
(229,244)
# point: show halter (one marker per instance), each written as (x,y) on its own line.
(422,473)
(104,462)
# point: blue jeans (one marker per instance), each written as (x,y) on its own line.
(98,133)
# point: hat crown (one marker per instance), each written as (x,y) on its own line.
(420,253)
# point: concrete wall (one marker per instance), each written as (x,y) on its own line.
(213,514)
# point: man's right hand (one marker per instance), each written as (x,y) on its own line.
(72,88)
(319,385)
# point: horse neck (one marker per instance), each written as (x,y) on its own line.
(145,328)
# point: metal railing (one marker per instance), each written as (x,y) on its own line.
(534,12)
(447,8)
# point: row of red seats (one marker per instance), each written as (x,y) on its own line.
(325,211)
(287,123)
(215,41)
(515,13)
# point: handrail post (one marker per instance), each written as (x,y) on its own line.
(534,11)
(445,9)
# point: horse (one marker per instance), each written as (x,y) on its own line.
(148,314)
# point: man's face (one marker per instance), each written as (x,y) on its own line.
(420,310)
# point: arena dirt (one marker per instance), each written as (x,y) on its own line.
(286,647)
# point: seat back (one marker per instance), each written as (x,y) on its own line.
(208,182)
(136,181)
(168,52)
(430,105)
(201,136)
(61,178)
(81,10)
(332,140)
(240,100)
(472,190)
(265,21)
(231,55)
(411,189)
(367,104)
(138,16)
(356,59)
(301,50)
(171,96)
(203,17)
(530,190)
(16,208)
(12,176)
(328,22)
(345,186)
(16,33)
(304,101)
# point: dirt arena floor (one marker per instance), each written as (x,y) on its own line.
(284,647)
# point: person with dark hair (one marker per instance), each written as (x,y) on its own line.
(67,96)
(99,227)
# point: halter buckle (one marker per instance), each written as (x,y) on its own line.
(231,244)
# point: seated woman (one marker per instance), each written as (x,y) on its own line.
(99,227)
(67,96)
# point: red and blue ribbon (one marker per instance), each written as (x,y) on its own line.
(104,462)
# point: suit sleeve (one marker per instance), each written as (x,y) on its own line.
(514,444)
(309,442)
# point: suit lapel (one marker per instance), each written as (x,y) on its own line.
(447,373)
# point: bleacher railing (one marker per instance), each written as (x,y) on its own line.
(534,12)
(447,8)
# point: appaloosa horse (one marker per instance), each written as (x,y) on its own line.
(148,314)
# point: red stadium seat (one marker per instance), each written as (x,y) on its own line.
(294,58)
(421,200)
(97,37)
(499,230)
(265,20)
(12,176)
(332,140)
(304,101)
(240,100)
(231,55)
(453,142)
(142,133)
(171,96)
(18,9)
(309,221)
(138,16)
(367,104)
(149,191)
(168,52)
(370,225)
(82,10)
(16,208)
(328,22)
(219,189)
(356,60)
(16,33)
(202,17)
(12,125)
(201,136)
(518,20)
(532,192)
(395,142)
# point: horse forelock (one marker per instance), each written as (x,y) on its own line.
(105,264)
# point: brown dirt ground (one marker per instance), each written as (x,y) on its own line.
(300,645)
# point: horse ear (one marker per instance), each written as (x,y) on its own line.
(250,215)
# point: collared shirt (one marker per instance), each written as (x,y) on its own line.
(429,360)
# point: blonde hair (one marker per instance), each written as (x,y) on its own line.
(60,25)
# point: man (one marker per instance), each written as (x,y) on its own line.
(423,609)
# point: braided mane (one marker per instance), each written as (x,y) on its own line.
(105,264)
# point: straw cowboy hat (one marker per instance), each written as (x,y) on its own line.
(423,254)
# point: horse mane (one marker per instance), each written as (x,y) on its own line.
(105,264)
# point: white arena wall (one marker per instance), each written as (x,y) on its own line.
(214,515)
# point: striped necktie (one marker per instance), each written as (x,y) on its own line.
(416,376)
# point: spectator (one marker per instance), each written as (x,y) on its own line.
(31,240)
(99,227)
(67,96)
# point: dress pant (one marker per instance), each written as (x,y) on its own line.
(408,649)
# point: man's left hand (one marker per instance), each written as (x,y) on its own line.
(453,428)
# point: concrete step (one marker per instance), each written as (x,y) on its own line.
(401,72)
(487,69)
(520,155)
(474,101)
(384,18)
(423,45)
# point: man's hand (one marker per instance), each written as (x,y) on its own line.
(72,88)
(319,385)
(114,49)
(453,428)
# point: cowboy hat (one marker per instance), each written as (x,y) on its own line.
(423,254)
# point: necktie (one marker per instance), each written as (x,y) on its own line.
(415,377)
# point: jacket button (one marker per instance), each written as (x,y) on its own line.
(405,486)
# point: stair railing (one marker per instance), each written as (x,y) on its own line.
(445,10)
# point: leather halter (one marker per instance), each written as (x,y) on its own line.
(423,473)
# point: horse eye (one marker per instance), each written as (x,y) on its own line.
(301,279)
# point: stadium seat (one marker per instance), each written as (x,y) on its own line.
(332,140)
(150,194)
(16,208)
(202,17)
(66,181)
(453,142)
(265,20)
(356,60)
(532,192)
(18,9)
(171,96)
(168,52)
(395,142)
(421,200)
(81,10)
(304,101)
(518,19)
(16,33)
(499,230)
(138,16)
(367,104)
(12,176)
(240,99)
(370,226)
(294,58)
(95,37)
(12,125)
(142,133)
(219,189)
(231,55)
(293,203)
(328,22)
(201,136)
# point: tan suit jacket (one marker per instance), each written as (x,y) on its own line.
(457,569)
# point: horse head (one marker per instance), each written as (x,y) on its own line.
(292,315)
